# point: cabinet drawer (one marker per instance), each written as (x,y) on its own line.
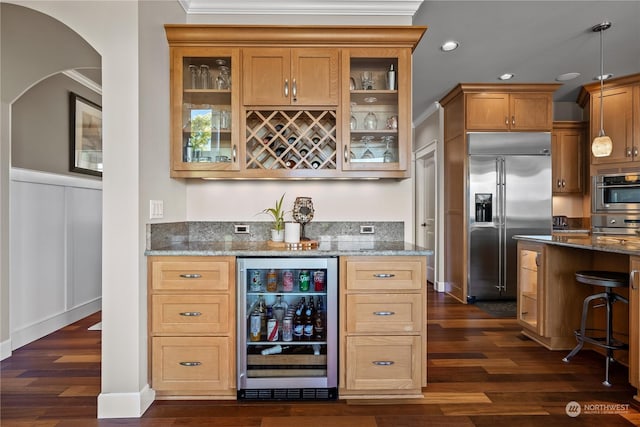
(192,363)
(384,313)
(387,362)
(206,314)
(385,274)
(191,275)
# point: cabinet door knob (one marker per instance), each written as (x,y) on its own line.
(563,183)
(191,276)
(190,363)
(294,89)
(191,313)
(513,120)
(633,279)
(233,153)
(558,184)
(286,88)
(628,152)
(346,154)
(506,120)
(635,151)
(383,362)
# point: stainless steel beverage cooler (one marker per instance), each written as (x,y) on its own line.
(270,368)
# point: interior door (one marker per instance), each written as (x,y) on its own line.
(426,208)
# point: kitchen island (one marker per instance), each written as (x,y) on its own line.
(381,304)
(550,300)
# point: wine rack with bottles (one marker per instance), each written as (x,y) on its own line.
(284,139)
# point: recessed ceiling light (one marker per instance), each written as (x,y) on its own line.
(506,76)
(567,76)
(604,77)
(449,45)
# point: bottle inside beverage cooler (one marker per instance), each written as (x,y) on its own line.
(287,330)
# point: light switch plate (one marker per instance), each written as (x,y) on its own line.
(156,209)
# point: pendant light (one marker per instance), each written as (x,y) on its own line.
(602,146)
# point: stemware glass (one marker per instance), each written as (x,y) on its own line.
(222,81)
(387,156)
(370,121)
(368,154)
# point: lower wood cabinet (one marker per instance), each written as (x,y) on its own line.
(384,363)
(192,326)
(382,326)
(193,364)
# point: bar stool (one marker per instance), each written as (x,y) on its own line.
(608,280)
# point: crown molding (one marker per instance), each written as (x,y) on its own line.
(302,7)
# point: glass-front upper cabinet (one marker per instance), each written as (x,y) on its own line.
(377,106)
(204,110)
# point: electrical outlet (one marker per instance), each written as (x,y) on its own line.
(240,229)
(156,209)
(367,229)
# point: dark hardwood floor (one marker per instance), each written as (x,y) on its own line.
(480,370)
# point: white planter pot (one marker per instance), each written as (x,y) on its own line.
(277,235)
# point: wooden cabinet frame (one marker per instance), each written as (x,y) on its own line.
(302,53)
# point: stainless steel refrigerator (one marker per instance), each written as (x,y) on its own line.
(508,193)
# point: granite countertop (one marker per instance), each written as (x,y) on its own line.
(263,248)
(615,244)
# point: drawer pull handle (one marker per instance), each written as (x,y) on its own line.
(383,362)
(191,313)
(384,313)
(384,275)
(190,363)
(191,276)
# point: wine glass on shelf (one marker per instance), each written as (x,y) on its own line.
(387,156)
(368,154)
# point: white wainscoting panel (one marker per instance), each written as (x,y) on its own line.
(56,252)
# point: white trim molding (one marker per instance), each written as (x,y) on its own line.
(83,80)
(125,405)
(303,7)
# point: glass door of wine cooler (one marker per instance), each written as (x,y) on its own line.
(287,328)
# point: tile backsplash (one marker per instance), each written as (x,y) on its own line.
(160,235)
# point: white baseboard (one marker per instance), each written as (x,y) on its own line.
(125,405)
(439,286)
(5,349)
(45,327)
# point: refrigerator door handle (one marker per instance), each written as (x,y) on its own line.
(502,247)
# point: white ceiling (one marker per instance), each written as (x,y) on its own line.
(535,40)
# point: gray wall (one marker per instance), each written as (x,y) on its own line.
(40,125)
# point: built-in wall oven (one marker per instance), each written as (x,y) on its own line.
(619,193)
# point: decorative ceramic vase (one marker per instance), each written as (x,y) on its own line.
(303,213)
(277,235)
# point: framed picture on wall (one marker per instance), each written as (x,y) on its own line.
(85,126)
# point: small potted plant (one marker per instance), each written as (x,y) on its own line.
(277,213)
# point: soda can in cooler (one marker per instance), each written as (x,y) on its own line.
(303,280)
(255,281)
(255,324)
(272,330)
(287,281)
(318,281)
(287,329)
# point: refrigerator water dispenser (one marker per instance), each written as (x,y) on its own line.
(483,207)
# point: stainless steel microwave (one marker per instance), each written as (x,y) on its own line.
(616,193)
